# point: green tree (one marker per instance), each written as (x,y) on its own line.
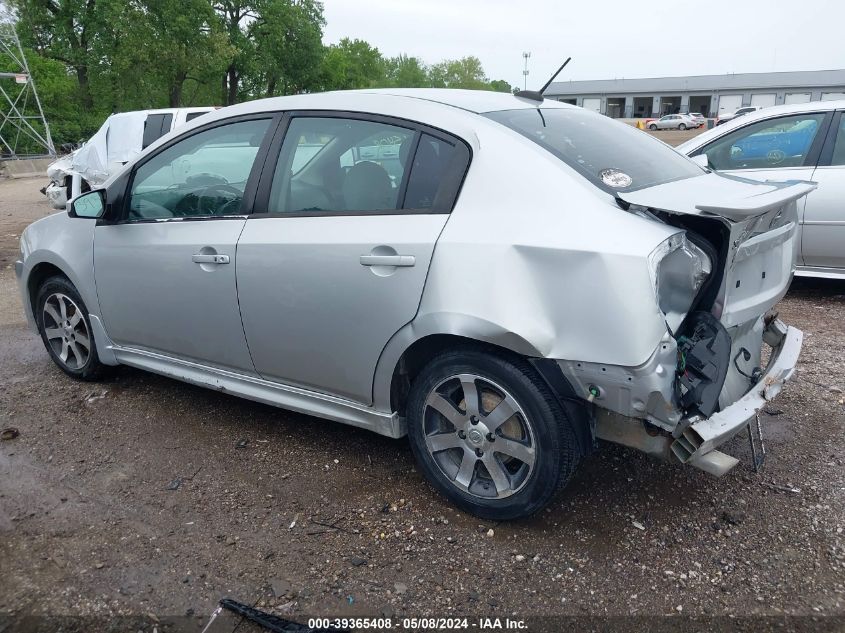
(405,72)
(287,37)
(500,85)
(182,41)
(64,30)
(235,16)
(459,73)
(351,64)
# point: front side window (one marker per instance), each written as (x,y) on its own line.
(780,142)
(204,174)
(611,155)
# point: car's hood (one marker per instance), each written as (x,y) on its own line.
(719,194)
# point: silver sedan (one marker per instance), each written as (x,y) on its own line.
(672,122)
(503,279)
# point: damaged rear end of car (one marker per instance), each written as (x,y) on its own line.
(717,283)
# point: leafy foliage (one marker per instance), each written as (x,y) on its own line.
(93,57)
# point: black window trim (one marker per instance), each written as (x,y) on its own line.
(812,158)
(117,195)
(457,171)
(826,152)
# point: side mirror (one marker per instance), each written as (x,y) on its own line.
(701,160)
(89,205)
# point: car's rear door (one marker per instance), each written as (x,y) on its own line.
(335,264)
(165,265)
(823,240)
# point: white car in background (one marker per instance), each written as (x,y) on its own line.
(121,138)
(792,142)
(697,117)
(673,122)
(729,116)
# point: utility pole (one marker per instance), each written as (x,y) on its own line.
(526,56)
(24,132)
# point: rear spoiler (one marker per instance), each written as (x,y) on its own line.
(718,194)
(741,208)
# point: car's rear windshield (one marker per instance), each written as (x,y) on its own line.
(612,155)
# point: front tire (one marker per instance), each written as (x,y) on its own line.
(489,435)
(682,127)
(65,329)
(652,127)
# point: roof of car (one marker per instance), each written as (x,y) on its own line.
(472,100)
(763,113)
(478,101)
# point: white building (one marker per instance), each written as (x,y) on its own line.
(711,95)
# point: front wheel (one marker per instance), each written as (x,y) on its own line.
(489,435)
(682,127)
(652,127)
(66,329)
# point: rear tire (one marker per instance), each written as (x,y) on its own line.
(65,329)
(489,435)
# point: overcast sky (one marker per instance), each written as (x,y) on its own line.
(606,38)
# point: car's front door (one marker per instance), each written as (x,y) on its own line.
(823,241)
(779,148)
(336,264)
(165,267)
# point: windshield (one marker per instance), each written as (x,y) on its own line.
(611,155)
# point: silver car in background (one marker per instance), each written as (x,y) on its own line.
(673,122)
(793,142)
(504,280)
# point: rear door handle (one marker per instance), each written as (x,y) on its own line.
(210,259)
(388,260)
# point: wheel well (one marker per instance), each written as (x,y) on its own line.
(38,276)
(420,353)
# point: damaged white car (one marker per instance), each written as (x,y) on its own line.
(503,279)
(120,139)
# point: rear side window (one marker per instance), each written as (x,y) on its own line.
(611,155)
(346,166)
(431,165)
(156,126)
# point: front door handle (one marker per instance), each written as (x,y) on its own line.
(388,260)
(200,258)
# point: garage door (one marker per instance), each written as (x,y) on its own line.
(592,104)
(833,96)
(763,101)
(728,104)
(797,97)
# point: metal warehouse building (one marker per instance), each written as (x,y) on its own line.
(712,95)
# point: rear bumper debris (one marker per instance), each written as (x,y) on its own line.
(699,437)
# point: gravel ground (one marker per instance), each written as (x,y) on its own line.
(143,496)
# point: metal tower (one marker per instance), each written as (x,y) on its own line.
(24,132)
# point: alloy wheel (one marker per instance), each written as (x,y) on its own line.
(479,436)
(66,330)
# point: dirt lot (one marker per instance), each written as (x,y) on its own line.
(142,496)
(676,137)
